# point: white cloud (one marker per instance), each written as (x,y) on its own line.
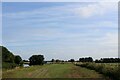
(109,39)
(96,9)
(85,10)
(63,40)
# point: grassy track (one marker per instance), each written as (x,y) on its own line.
(52,71)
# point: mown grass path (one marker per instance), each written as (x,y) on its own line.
(52,71)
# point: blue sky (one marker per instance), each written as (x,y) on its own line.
(61,30)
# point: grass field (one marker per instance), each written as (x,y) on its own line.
(52,71)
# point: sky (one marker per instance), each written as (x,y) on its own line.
(60,1)
(61,30)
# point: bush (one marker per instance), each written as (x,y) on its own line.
(116,74)
(111,72)
(6,65)
(99,68)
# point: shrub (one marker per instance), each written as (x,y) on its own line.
(105,69)
(6,65)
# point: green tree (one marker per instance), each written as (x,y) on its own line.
(18,59)
(36,60)
(7,56)
(52,60)
(8,59)
(71,60)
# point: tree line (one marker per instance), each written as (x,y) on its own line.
(9,60)
(102,60)
(86,59)
(108,60)
(15,60)
(90,59)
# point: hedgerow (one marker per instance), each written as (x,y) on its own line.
(104,68)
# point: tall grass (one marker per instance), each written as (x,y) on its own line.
(112,70)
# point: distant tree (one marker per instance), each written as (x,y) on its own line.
(82,59)
(52,60)
(89,59)
(18,59)
(86,59)
(36,60)
(108,60)
(57,60)
(97,61)
(62,61)
(71,60)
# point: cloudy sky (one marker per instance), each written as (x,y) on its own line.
(61,30)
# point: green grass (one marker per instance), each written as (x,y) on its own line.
(52,71)
(111,70)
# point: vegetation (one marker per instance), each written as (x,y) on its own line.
(18,59)
(52,71)
(9,60)
(6,65)
(7,56)
(71,60)
(36,60)
(56,61)
(108,60)
(52,60)
(25,62)
(111,70)
(106,66)
(87,59)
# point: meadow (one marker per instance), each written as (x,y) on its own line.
(67,70)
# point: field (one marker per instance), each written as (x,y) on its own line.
(52,71)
